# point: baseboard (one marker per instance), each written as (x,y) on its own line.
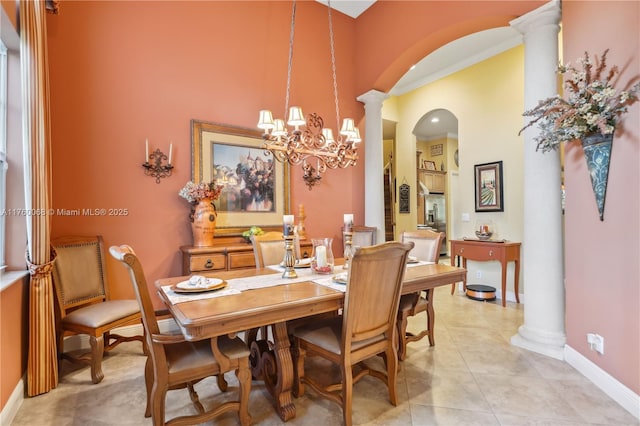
(621,394)
(14,402)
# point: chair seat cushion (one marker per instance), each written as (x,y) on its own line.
(327,335)
(407,302)
(100,314)
(196,355)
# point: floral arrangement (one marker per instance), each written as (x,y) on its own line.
(194,192)
(593,106)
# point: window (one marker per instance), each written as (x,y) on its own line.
(3,148)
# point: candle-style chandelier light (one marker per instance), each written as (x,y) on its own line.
(309,139)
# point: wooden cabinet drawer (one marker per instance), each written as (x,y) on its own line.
(477,253)
(207,262)
(306,251)
(242,260)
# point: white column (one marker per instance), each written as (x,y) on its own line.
(373,161)
(542,248)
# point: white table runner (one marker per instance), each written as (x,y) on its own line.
(238,285)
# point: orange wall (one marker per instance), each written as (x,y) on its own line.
(13,336)
(125,71)
(602,272)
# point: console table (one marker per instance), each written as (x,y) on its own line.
(482,251)
(226,254)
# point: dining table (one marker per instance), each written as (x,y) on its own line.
(257,298)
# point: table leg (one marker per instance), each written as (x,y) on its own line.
(278,372)
(453,285)
(431,317)
(464,281)
(504,283)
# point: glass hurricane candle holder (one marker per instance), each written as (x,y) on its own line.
(322,260)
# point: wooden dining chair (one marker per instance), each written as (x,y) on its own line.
(83,305)
(426,248)
(174,363)
(366,328)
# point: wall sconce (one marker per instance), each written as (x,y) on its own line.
(153,163)
(311,175)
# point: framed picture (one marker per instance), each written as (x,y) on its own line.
(436,150)
(488,184)
(256,186)
(429,165)
(404,198)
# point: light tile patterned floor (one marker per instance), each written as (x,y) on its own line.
(472,376)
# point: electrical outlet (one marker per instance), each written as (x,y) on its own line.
(596,342)
(479,275)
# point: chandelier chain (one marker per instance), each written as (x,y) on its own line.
(308,140)
(333,67)
(291,35)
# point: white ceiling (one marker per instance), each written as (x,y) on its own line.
(353,8)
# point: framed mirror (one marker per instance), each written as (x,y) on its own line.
(256,188)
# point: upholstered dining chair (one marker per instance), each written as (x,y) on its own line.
(83,305)
(426,248)
(174,363)
(362,236)
(268,248)
(366,328)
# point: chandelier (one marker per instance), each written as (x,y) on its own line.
(308,141)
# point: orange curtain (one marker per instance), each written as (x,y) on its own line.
(42,368)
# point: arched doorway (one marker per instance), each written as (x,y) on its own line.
(437,154)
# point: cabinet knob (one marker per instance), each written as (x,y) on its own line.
(209,264)
(461,250)
(490,252)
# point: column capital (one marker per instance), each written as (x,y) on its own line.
(373,97)
(548,14)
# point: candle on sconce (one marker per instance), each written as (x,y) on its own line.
(288,224)
(170,152)
(348,222)
(146,150)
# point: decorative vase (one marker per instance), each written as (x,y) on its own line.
(204,223)
(597,152)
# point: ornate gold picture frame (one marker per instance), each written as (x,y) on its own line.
(256,186)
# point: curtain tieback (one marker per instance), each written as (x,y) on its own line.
(44,270)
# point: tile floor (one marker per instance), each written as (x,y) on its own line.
(472,376)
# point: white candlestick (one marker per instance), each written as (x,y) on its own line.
(170,152)
(321,256)
(287,219)
(146,150)
(348,222)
